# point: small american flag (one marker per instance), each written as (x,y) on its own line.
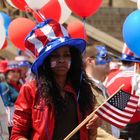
(119,109)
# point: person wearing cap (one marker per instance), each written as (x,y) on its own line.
(24,65)
(11,86)
(52,104)
(124,75)
(97,67)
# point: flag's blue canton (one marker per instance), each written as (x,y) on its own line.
(120,100)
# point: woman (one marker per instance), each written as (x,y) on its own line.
(52,105)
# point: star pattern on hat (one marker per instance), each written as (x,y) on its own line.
(62,39)
(48,48)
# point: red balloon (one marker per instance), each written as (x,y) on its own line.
(4,45)
(18,30)
(21,4)
(84,8)
(51,9)
(76,30)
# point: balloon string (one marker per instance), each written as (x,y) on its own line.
(19,52)
(28,9)
(84,22)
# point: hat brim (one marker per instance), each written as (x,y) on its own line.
(129,60)
(80,44)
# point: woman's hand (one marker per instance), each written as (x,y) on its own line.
(93,123)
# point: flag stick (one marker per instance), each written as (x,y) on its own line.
(89,117)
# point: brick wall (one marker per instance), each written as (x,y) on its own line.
(110,20)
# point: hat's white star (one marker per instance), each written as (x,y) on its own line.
(61,39)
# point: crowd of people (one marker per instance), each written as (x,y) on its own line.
(12,75)
(47,99)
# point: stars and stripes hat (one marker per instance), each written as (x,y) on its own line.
(128,55)
(46,37)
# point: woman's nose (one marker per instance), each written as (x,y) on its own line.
(61,59)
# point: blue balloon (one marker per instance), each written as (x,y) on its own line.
(131,32)
(6,20)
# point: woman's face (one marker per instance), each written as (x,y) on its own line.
(13,75)
(60,61)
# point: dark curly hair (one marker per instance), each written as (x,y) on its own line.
(50,90)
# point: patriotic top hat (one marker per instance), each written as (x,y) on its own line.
(128,55)
(46,37)
(3,66)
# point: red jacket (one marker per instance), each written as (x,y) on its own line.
(115,79)
(35,120)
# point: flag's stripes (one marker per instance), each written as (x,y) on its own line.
(128,109)
(115,115)
(111,120)
(117,111)
(114,110)
(132,104)
(134,99)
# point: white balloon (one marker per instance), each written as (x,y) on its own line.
(10,3)
(36,4)
(65,11)
(2,35)
(138,4)
(1,21)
